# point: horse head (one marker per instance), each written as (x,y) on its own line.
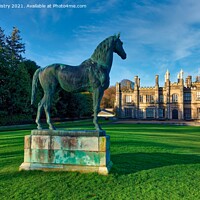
(118,47)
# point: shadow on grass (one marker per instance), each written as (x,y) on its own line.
(144,146)
(128,163)
(11,154)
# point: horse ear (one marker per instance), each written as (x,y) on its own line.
(118,36)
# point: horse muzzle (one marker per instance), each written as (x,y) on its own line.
(123,56)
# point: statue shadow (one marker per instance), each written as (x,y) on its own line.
(129,163)
(11,158)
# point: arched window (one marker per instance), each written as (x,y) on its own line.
(174,97)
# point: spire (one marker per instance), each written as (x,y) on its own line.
(181,74)
(178,76)
(167,75)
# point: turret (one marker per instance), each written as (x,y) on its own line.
(157,81)
(118,99)
(189,81)
(197,79)
(181,94)
(137,82)
(167,76)
(180,77)
(157,96)
(136,93)
(167,87)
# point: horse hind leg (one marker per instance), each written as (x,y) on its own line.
(39,112)
(47,106)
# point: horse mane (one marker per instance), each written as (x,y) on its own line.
(101,50)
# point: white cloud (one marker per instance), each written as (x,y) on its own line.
(103,6)
(157,36)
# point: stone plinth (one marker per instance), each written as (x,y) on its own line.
(60,150)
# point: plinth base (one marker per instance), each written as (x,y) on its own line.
(60,150)
(103,170)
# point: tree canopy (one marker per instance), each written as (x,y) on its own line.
(16,74)
(108,99)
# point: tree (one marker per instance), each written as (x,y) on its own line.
(4,89)
(20,88)
(4,74)
(74,104)
(2,47)
(15,77)
(15,47)
(15,86)
(31,67)
(108,99)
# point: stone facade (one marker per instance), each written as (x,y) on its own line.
(179,100)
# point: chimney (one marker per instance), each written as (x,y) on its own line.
(167,76)
(180,77)
(189,81)
(136,82)
(157,81)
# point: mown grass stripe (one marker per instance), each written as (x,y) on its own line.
(150,162)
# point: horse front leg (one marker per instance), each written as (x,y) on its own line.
(97,96)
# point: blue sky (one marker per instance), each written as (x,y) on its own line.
(157,35)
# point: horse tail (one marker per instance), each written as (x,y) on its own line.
(34,85)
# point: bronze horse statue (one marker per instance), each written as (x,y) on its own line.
(92,75)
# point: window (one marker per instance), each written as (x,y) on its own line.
(128,112)
(160,112)
(128,98)
(141,99)
(141,116)
(187,97)
(198,95)
(174,98)
(187,113)
(198,113)
(161,98)
(150,112)
(149,98)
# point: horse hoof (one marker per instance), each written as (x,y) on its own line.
(39,127)
(98,128)
(52,128)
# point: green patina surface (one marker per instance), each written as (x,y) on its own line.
(69,150)
(75,143)
(67,143)
(66,157)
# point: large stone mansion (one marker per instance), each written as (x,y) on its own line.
(177,100)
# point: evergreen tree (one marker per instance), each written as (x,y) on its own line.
(15,78)
(15,86)
(20,91)
(11,78)
(2,47)
(4,74)
(15,47)
(31,67)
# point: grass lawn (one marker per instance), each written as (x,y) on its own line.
(150,162)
